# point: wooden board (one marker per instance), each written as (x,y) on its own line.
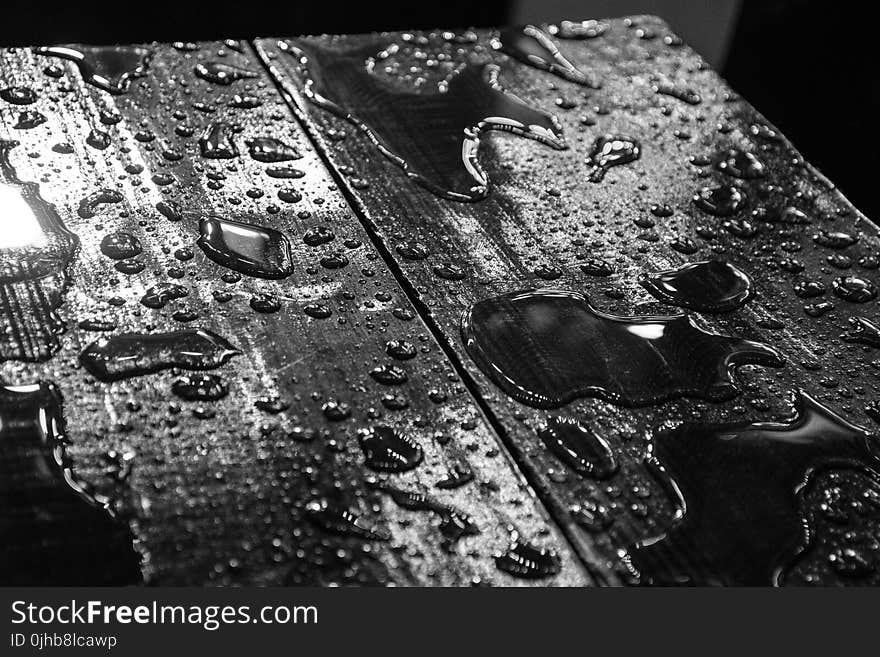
(542,218)
(222,492)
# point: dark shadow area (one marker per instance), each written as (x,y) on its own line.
(810,67)
(102,21)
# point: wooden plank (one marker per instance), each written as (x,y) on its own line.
(124,157)
(397,115)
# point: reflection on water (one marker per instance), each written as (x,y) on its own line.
(35,251)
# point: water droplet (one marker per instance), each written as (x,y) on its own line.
(318,235)
(532,46)
(592,516)
(29,119)
(88,207)
(272,404)
(611,151)
(270,149)
(341,522)
(159,295)
(834,240)
(109,68)
(661,211)
(222,73)
(863,331)
(854,289)
(216,142)
(136,354)
(285,173)
(460,474)
(684,245)
(450,272)
(289,195)
(809,289)
(721,201)
(389,375)
(120,245)
(98,139)
(170,210)
(596,267)
(413,251)
(589,29)
(265,303)
(200,387)
(683,94)
(334,261)
(710,286)
(741,164)
(246,248)
(454,523)
(388,450)
(528,562)
(18,95)
(400,349)
(336,411)
(581,449)
(548,347)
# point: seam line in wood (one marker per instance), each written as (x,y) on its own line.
(588,558)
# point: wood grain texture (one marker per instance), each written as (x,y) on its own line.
(218,491)
(542,212)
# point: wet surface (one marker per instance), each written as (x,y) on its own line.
(673,193)
(56,531)
(36,249)
(272,385)
(244,380)
(739,487)
(434,134)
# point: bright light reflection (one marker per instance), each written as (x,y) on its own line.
(647,331)
(19,226)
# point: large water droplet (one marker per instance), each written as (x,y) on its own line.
(388,450)
(120,245)
(18,95)
(710,286)
(246,248)
(136,354)
(581,449)
(548,347)
(433,136)
(737,486)
(216,142)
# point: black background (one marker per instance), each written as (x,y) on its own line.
(809,66)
